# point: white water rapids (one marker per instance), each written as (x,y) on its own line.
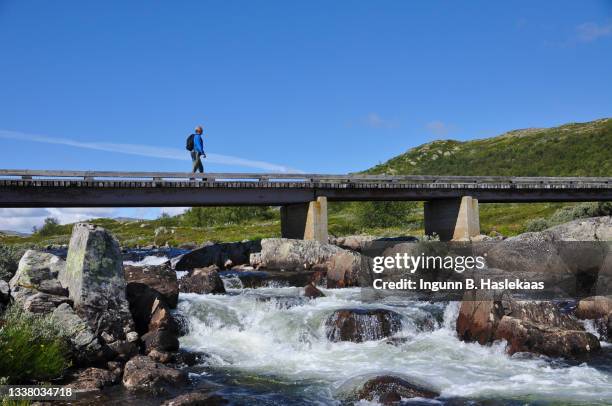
(283,338)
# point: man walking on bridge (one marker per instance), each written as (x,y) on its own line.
(196,146)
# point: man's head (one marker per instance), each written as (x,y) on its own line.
(198,129)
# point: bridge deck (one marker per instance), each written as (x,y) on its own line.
(27,188)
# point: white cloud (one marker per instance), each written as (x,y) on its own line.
(148,151)
(374,120)
(24,219)
(438,128)
(591,31)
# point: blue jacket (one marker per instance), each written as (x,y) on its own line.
(198,145)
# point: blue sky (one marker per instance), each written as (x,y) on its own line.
(316,86)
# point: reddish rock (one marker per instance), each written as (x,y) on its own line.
(478,319)
(528,326)
(526,336)
(161,319)
(312,292)
(142,373)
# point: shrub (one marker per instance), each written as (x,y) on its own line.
(537,224)
(384,214)
(209,216)
(32,346)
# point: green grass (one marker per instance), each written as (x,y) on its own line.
(32,346)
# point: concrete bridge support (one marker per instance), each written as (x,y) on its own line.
(452,219)
(306,221)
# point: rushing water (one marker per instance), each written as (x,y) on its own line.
(268,346)
(272,345)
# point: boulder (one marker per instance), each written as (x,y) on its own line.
(311,291)
(216,254)
(478,317)
(199,398)
(38,268)
(570,257)
(527,336)
(595,307)
(92,379)
(161,340)
(295,255)
(391,390)
(588,229)
(84,344)
(202,280)
(361,243)
(528,326)
(96,283)
(343,268)
(35,286)
(142,373)
(160,278)
(358,325)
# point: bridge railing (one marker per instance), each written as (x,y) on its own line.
(293,177)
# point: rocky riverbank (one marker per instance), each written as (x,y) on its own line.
(222,320)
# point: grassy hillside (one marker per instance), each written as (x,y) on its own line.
(570,150)
(579,149)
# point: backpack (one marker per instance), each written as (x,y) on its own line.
(190,145)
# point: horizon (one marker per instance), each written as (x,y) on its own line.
(284,87)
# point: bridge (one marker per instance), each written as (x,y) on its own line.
(451,202)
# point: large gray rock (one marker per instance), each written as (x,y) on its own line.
(574,258)
(96,284)
(343,268)
(362,243)
(589,229)
(35,286)
(38,270)
(295,255)
(85,346)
